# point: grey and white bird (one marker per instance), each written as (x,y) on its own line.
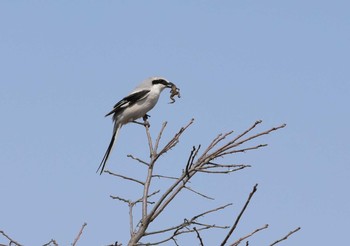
(134,106)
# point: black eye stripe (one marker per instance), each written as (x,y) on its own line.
(159,81)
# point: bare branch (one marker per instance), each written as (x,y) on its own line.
(230,169)
(10,239)
(152,194)
(228,166)
(240,215)
(203,164)
(148,182)
(216,140)
(125,177)
(133,202)
(198,193)
(211,211)
(159,137)
(163,176)
(137,159)
(209,226)
(79,234)
(131,205)
(115,244)
(241,150)
(190,160)
(52,241)
(174,140)
(192,221)
(168,196)
(232,144)
(248,130)
(178,232)
(198,236)
(286,236)
(256,135)
(151,152)
(121,199)
(249,235)
(160,205)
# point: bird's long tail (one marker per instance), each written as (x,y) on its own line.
(109,149)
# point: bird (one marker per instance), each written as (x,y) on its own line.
(134,106)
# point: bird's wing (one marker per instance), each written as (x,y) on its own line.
(129,100)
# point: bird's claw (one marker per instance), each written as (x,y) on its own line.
(145,120)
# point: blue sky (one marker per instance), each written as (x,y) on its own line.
(65,63)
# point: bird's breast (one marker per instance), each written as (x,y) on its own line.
(140,108)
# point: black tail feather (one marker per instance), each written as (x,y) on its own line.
(108,151)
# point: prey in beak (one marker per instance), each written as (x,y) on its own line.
(173,92)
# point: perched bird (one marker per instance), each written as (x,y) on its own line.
(136,105)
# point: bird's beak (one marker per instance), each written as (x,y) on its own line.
(170,85)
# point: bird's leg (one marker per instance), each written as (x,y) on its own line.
(139,123)
(145,121)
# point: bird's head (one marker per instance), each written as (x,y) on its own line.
(161,83)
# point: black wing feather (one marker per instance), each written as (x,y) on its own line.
(128,101)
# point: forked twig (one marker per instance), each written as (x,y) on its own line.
(10,239)
(51,241)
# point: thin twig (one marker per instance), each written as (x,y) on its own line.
(209,226)
(79,234)
(216,140)
(151,152)
(249,235)
(10,239)
(211,165)
(189,163)
(163,176)
(131,218)
(203,170)
(192,221)
(232,144)
(241,150)
(198,193)
(159,136)
(152,194)
(198,236)
(286,236)
(177,233)
(125,177)
(248,130)
(120,199)
(212,210)
(174,140)
(52,241)
(240,215)
(137,159)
